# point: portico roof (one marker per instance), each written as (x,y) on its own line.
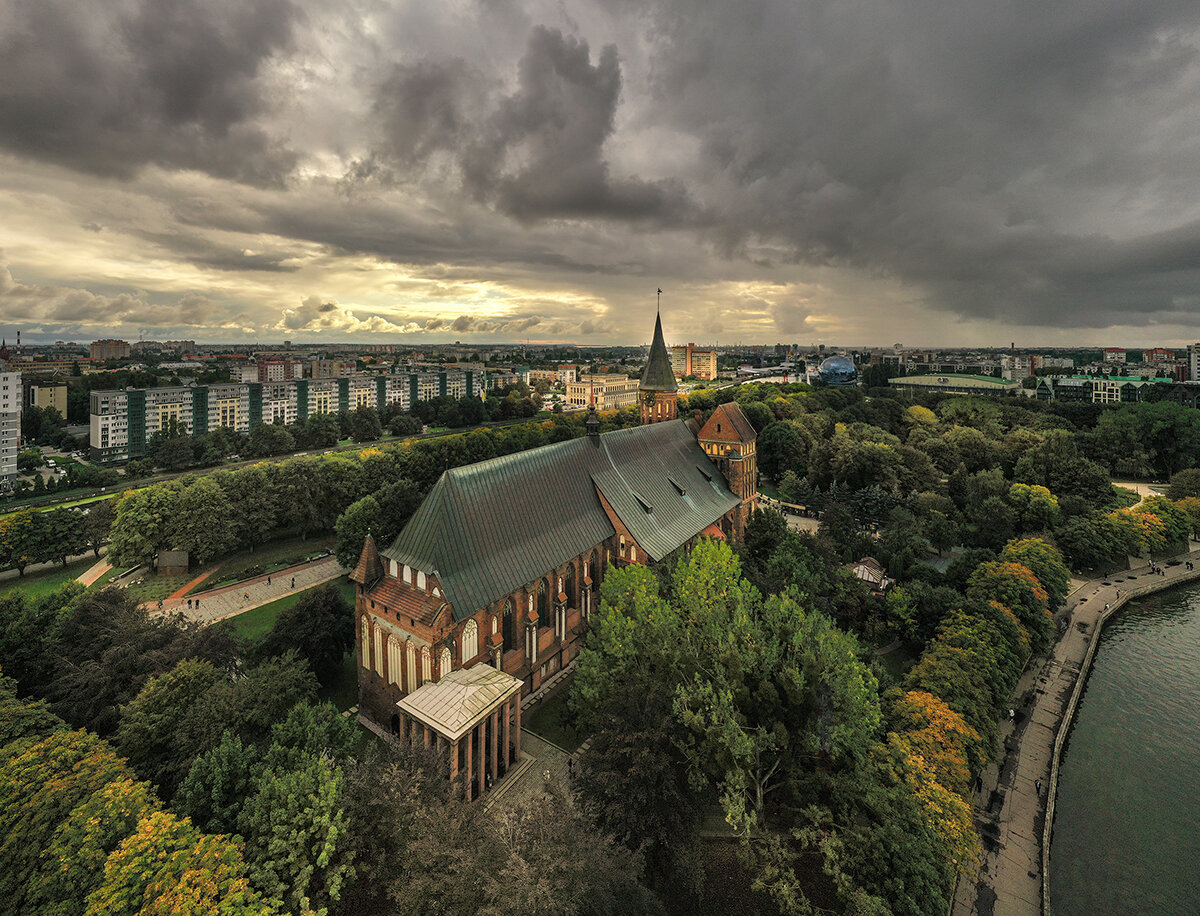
(460,700)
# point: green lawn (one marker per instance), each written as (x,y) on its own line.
(279,555)
(550,720)
(256,623)
(152,587)
(40,584)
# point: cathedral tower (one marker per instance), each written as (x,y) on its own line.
(658,391)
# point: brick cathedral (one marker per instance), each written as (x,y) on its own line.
(487,591)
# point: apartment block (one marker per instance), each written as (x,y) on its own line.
(10,423)
(688,360)
(110,349)
(610,392)
(122,422)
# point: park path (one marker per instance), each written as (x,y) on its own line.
(1010,809)
(182,592)
(94,572)
(219,603)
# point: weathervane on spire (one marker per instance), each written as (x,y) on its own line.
(659,307)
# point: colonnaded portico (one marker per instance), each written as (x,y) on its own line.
(474,714)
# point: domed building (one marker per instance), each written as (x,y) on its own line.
(838,372)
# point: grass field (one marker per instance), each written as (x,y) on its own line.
(265,560)
(151,588)
(551,720)
(39,584)
(254,624)
(257,622)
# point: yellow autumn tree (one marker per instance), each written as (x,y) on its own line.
(928,728)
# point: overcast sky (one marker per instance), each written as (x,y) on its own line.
(844,171)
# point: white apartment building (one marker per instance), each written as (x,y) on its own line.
(123,421)
(10,423)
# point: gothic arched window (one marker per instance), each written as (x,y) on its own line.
(470,641)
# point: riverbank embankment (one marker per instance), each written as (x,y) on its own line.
(1014,805)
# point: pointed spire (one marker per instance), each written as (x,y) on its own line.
(658,375)
(370,568)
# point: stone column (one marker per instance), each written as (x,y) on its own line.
(470,775)
(507,734)
(481,729)
(494,721)
(517,742)
(453,760)
(426,730)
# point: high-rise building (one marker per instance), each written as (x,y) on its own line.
(690,361)
(10,423)
(110,349)
(1193,362)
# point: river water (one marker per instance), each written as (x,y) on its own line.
(1127,823)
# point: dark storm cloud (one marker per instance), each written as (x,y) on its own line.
(1001,157)
(107,88)
(537,153)
(796,165)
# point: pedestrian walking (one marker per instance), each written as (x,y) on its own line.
(189,604)
(1037,783)
(268,580)
(245,596)
(160,604)
(293,585)
(571,768)
(197,604)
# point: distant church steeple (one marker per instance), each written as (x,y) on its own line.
(658,389)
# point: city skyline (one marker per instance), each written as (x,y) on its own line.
(496,173)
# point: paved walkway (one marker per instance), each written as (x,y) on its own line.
(1010,812)
(219,603)
(98,569)
(532,781)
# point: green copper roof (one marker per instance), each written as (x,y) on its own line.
(953,377)
(489,528)
(658,375)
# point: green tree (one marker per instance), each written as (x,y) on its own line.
(202,521)
(297,843)
(72,866)
(553,862)
(65,535)
(270,439)
(1017,588)
(783,446)
(352,528)
(1045,561)
(39,787)
(1184,484)
(253,495)
(144,518)
(30,459)
(365,425)
(22,539)
(632,783)
(218,783)
(167,866)
(98,521)
(319,628)
(154,732)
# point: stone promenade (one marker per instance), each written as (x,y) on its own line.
(1010,811)
(219,603)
